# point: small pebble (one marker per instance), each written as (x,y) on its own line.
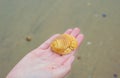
(89,43)
(115,75)
(104,15)
(28,38)
(78,57)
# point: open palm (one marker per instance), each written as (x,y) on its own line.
(43,63)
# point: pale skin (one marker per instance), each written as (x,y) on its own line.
(43,63)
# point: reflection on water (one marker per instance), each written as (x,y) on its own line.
(35,21)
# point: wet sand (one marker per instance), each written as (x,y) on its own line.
(99,20)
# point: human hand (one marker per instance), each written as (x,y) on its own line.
(43,63)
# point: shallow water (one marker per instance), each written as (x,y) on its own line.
(99,21)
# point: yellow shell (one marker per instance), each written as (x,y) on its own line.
(64,44)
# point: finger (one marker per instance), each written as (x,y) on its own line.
(80,38)
(46,44)
(75,32)
(68,31)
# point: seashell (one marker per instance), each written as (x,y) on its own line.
(64,44)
